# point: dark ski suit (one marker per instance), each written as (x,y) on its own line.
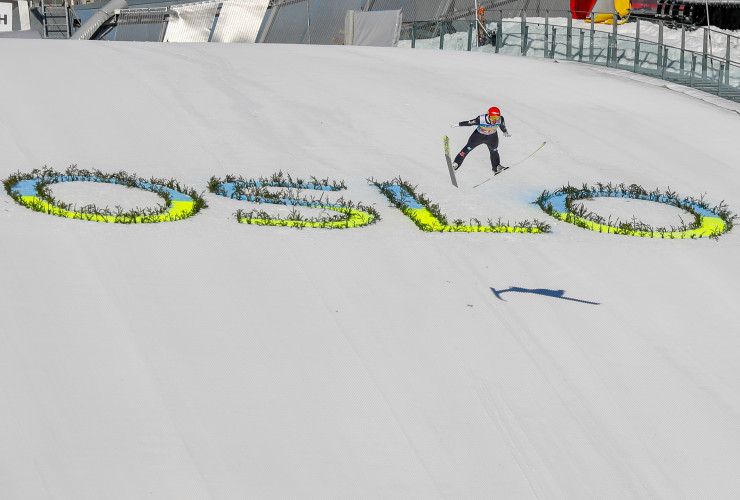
(484,134)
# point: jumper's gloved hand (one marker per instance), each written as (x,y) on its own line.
(455,125)
(506,134)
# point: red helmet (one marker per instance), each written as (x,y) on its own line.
(494,111)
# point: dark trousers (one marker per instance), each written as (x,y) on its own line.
(476,139)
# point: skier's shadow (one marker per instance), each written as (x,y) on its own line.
(558,294)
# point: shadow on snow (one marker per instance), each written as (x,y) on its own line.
(558,294)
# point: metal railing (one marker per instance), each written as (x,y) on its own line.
(55,20)
(710,70)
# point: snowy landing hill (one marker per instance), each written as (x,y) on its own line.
(207,359)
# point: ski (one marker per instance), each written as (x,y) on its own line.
(494,175)
(449,161)
(515,164)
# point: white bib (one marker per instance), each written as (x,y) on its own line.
(487,128)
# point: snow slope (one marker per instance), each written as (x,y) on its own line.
(208,359)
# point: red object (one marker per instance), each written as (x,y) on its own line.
(494,112)
(581,8)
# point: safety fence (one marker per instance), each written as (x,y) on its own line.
(704,59)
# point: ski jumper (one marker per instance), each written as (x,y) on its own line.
(484,134)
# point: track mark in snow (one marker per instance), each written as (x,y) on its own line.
(500,414)
(566,378)
(369,374)
(594,429)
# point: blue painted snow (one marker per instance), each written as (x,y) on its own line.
(558,202)
(403,196)
(25,188)
(230,191)
(28,187)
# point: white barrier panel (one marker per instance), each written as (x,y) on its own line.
(6,16)
(191,22)
(24,14)
(375,28)
(240,21)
